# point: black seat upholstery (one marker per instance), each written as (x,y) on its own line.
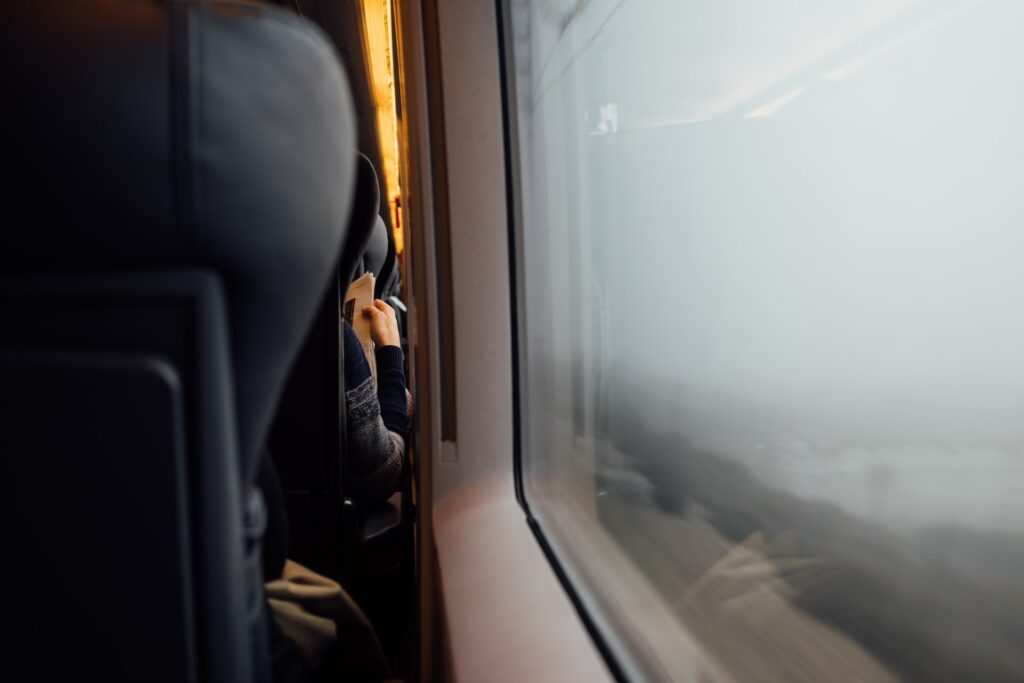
(376,250)
(380,259)
(362,247)
(178,177)
(378,256)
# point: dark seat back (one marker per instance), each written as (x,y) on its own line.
(389,283)
(114,422)
(181,174)
(380,259)
(360,252)
(376,250)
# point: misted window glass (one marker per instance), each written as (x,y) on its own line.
(771,293)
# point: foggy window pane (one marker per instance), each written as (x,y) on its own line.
(772,342)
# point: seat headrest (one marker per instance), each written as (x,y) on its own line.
(376,252)
(150,135)
(364,212)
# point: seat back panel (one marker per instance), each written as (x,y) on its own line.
(93,461)
(116,420)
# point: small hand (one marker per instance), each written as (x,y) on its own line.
(383,324)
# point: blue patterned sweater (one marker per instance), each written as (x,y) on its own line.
(376,420)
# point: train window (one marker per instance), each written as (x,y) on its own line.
(770,322)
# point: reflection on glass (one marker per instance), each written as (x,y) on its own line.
(772,327)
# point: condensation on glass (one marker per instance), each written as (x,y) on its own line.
(772,327)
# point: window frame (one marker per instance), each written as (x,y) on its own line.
(655,647)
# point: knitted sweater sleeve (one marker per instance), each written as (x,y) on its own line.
(375,419)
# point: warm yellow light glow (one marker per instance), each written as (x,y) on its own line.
(377,20)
